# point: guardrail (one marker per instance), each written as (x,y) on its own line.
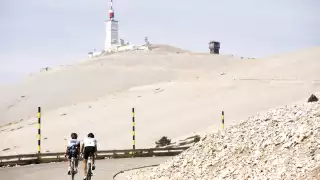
(25,159)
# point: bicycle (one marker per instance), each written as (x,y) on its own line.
(89,167)
(72,170)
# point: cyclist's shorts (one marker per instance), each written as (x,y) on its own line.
(88,150)
(72,154)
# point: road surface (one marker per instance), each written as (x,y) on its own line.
(105,169)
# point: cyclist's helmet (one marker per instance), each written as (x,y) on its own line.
(90,135)
(74,135)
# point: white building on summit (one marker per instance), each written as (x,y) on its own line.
(112,31)
(112,43)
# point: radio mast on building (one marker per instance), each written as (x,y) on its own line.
(112,30)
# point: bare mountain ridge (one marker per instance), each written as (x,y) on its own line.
(174,94)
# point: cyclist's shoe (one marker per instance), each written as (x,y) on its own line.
(85,178)
(69,171)
(93,167)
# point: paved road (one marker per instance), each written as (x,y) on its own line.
(57,171)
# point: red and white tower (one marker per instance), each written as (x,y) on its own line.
(111,12)
(112,30)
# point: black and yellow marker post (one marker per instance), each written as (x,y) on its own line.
(39,130)
(133,130)
(222,117)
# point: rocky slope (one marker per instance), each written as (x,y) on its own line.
(282,143)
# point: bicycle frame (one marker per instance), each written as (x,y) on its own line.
(89,166)
(73,161)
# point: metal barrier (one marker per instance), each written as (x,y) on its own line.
(25,159)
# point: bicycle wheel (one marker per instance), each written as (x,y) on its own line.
(89,172)
(72,168)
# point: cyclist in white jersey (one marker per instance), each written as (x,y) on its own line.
(89,147)
(73,150)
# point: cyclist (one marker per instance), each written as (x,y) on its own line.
(73,150)
(89,148)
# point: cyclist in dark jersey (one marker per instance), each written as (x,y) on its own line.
(73,150)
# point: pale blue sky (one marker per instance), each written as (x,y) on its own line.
(39,33)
